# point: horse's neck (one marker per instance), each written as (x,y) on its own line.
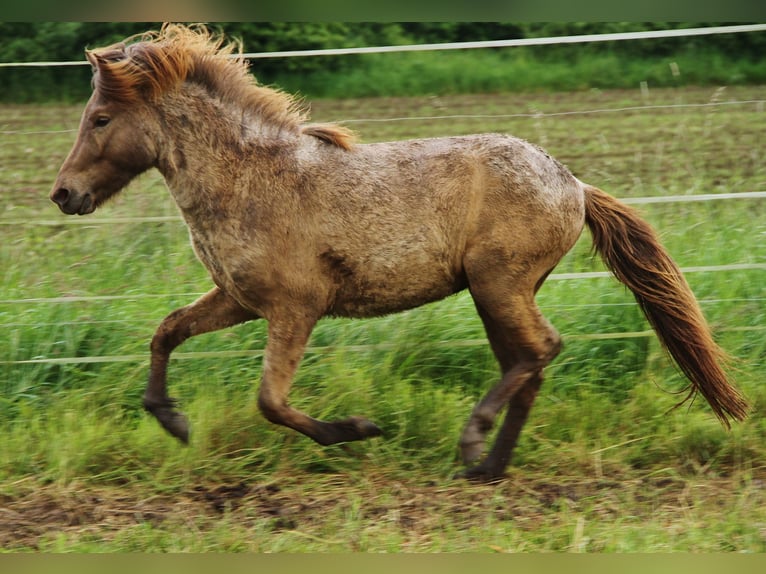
(207,145)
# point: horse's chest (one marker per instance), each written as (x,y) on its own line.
(208,254)
(225,259)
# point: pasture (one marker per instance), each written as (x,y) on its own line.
(604,464)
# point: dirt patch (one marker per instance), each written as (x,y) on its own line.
(26,519)
(30,520)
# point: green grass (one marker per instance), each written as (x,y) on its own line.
(604,464)
(518,70)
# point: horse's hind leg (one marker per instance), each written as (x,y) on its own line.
(284,350)
(214,310)
(495,463)
(523,342)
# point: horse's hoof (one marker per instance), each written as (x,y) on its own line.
(175,423)
(470,452)
(171,420)
(346,430)
(179,428)
(365,428)
(480,474)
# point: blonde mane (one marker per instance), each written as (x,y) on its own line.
(149,65)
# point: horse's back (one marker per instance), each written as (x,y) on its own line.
(430,173)
(474,187)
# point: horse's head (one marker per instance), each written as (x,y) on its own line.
(114,142)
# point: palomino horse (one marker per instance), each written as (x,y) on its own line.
(295,222)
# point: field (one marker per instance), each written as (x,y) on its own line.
(605,464)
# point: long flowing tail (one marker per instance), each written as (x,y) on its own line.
(632,251)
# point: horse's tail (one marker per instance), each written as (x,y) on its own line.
(632,251)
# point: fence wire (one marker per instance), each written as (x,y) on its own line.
(387,49)
(510,43)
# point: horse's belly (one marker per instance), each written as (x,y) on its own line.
(367,297)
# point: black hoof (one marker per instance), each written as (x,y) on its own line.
(365,428)
(346,430)
(480,474)
(471,452)
(176,424)
(171,420)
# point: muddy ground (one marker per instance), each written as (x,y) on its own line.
(31,518)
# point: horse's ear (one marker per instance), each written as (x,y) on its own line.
(91,57)
(109,55)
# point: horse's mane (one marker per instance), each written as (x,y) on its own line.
(148,65)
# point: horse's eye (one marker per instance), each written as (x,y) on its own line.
(101,121)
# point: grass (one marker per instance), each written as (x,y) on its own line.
(518,70)
(604,464)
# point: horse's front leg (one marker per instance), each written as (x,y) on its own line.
(214,310)
(284,351)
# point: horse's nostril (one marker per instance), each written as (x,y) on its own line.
(60,196)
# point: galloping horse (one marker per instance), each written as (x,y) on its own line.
(295,221)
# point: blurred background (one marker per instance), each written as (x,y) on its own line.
(732,59)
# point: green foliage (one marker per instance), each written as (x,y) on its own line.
(733,58)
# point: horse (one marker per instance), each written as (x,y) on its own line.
(296,221)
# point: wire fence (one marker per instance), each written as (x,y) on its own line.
(760,106)
(750,195)
(510,43)
(552,277)
(329,349)
(96,221)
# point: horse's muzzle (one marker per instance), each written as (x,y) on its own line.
(73,203)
